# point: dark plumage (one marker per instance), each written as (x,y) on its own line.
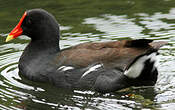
(104,66)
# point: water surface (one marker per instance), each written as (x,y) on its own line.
(86,21)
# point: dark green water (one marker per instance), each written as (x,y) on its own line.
(84,21)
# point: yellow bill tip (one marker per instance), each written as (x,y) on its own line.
(9,37)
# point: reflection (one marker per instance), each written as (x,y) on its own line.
(91,21)
(169,106)
(65,28)
(118,26)
(63,99)
(158,24)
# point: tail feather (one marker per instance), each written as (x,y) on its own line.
(157,45)
(139,43)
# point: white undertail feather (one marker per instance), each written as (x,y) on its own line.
(154,59)
(94,68)
(135,70)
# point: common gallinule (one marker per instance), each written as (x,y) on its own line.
(102,66)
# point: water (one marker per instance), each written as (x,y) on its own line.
(85,21)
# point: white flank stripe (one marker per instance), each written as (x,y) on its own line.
(65,68)
(94,68)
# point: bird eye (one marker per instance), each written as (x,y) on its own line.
(27,22)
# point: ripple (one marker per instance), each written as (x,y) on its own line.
(116,25)
(15,91)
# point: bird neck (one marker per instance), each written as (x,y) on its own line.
(38,46)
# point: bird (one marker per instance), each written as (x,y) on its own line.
(99,66)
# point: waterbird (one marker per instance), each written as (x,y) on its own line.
(100,66)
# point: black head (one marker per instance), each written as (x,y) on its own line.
(37,24)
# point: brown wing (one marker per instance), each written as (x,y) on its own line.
(112,54)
